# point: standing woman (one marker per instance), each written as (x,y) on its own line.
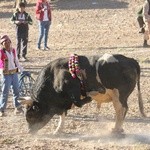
(43,15)
(9,66)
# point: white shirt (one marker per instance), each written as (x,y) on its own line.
(21,17)
(45,17)
(12,63)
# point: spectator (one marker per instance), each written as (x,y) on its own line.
(22,20)
(9,66)
(43,15)
(141,21)
(146,18)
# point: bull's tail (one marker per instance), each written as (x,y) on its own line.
(141,107)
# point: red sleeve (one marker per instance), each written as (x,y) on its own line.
(38,8)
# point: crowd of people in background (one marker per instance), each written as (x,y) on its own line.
(10,57)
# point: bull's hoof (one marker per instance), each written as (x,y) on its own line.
(118,133)
(118,136)
(114,130)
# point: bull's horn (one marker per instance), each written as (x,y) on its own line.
(25,100)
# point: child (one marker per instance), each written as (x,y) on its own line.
(9,66)
(22,19)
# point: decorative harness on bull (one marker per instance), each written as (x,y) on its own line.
(75,71)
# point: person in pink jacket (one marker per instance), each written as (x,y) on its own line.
(43,15)
(9,67)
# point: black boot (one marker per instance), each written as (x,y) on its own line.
(142,30)
(145,44)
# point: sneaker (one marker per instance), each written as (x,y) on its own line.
(146,45)
(18,110)
(46,48)
(142,30)
(23,59)
(38,48)
(1,113)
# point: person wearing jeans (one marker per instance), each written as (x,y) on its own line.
(9,66)
(43,15)
(7,81)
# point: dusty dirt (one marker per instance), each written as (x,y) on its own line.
(87,27)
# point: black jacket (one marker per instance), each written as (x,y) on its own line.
(23,27)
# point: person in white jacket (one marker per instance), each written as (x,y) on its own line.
(9,67)
(146,18)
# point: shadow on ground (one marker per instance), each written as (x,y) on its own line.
(88,4)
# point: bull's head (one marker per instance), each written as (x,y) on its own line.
(37,115)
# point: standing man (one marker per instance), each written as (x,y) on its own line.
(43,15)
(146,17)
(9,66)
(22,20)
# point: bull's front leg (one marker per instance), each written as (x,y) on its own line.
(60,124)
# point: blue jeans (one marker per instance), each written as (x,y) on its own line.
(7,82)
(43,31)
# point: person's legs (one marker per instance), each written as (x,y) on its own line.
(6,83)
(24,48)
(141,24)
(46,31)
(146,34)
(18,46)
(41,33)
(15,90)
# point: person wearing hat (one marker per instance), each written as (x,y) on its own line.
(9,67)
(22,20)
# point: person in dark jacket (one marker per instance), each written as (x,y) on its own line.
(43,15)
(22,20)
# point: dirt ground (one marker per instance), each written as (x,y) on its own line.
(85,27)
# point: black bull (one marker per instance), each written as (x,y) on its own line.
(55,90)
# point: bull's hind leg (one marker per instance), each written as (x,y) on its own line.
(60,124)
(120,112)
